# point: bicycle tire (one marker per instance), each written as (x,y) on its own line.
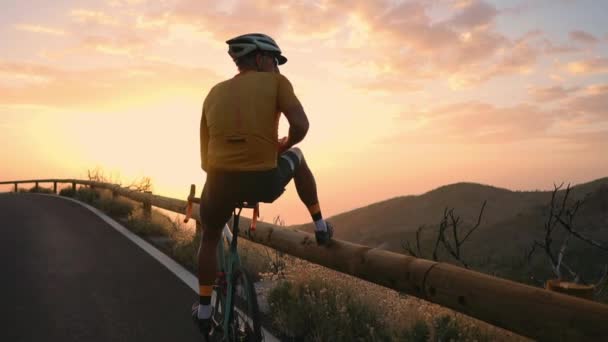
(245,322)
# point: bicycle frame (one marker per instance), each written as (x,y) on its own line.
(227,263)
(233,261)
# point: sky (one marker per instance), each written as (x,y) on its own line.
(402,96)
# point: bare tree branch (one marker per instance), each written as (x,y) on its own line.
(442,227)
(533,249)
(449,221)
(406,245)
(476,225)
(418,231)
(592,242)
(143,184)
(562,251)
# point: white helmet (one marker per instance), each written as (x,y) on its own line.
(242,45)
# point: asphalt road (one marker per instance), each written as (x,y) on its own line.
(68,276)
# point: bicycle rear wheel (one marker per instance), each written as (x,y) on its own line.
(245,318)
(218,300)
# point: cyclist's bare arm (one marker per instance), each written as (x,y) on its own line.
(298,124)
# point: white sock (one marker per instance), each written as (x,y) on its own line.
(320,226)
(204,311)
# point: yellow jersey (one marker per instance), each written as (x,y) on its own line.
(240,121)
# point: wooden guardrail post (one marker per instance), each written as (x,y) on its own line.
(74,186)
(147,207)
(16,187)
(54,187)
(36,187)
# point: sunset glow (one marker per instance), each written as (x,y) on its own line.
(402,96)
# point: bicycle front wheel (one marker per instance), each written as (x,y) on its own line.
(244,324)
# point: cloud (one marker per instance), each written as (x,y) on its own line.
(583,37)
(21,75)
(475,14)
(119,45)
(478,123)
(228,19)
(93,17)
(548,94)
(125,3)
(402,35)
(552,49)
(593,103)
(463,49)
(582,119)
(594,65)
(41,29)
(99,88)
(395,84)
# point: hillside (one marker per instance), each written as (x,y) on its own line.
(370,224)
(511,222)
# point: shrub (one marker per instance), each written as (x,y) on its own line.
(87,195)
(67,192)
(446,329)
(420,332)
(185,252)
(145,227)
(315,311)
(116,208)
(41,190)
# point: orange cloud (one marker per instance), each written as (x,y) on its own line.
(474,14)
(582,119)
(593,103)
(93,17)
(40,29)
(553,93)
(463,44)
(99,88)
(478,123)
(118,45)
(595,65)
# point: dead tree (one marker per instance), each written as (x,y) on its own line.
(449,221)
(143,184)
(561,215)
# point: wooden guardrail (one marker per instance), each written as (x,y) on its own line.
(523,309)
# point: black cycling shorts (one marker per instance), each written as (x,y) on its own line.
(224,189)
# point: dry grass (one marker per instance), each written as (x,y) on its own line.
(399,314)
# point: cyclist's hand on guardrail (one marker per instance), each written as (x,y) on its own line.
(282,146)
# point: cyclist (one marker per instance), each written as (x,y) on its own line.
(242,155)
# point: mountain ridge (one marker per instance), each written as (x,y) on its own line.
(404,214)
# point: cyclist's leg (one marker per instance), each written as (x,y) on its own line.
(292,164)
(215,211)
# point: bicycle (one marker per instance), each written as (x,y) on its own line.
(235,311)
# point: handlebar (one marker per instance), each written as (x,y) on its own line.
(191,199)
